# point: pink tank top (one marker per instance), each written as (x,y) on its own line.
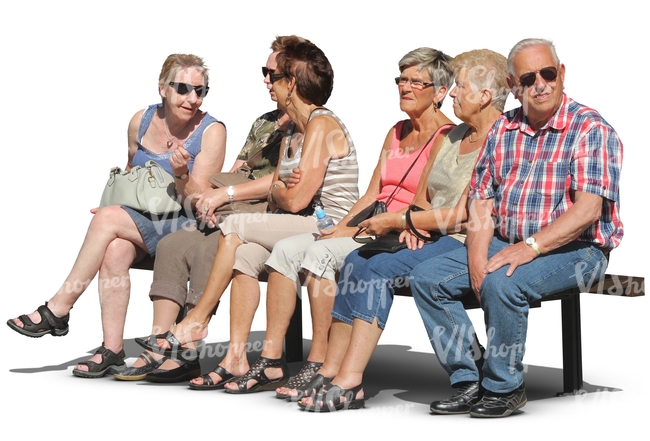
(395,167)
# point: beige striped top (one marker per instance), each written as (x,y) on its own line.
(340,189)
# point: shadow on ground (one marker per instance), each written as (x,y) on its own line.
(414,377)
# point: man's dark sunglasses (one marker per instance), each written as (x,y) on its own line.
(548,73)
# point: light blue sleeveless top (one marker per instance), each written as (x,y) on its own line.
(192,144)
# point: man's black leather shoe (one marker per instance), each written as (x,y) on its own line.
(460,402)
(499,405)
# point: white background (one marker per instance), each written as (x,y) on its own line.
(74,73)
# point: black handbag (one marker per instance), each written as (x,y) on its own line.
(382,244)
(377,207)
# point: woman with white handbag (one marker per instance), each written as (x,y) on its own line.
(190,145)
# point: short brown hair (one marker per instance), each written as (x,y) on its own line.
(313,72)
(281,42)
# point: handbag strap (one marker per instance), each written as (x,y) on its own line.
(390,198)
(414,230)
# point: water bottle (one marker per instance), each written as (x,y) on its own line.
(323,221)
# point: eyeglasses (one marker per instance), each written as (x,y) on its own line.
(185,89)
(415,84)
(266,71)
(273,77)
(548,73)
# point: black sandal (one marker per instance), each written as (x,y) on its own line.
(328,399)
(300,380)
(312,388)
(176,350)
(111,362)
(49,324)
(208,382)
(256,372)
(138,373)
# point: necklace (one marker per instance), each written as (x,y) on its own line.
(469,138)
(170,143)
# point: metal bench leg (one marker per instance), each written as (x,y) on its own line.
(571,345)
(293,339)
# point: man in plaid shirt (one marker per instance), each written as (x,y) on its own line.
(544,214)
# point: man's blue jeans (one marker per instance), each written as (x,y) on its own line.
(439,283)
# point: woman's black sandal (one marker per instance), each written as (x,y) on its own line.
(312,388)
(176,350)
(138,373)
(328,399)
(208,382)
(300,380)
(111,362)
(49,324)
(256,372)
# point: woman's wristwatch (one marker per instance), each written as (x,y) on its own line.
(231,194)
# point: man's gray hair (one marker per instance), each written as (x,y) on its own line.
(527,42)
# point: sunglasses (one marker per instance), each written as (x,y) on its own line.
(266,71)
(273,77)
(185,89)
(547,73)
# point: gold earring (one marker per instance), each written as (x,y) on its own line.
(288,100)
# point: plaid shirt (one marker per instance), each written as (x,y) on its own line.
(532,175)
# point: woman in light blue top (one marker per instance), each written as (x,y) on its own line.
(188,143)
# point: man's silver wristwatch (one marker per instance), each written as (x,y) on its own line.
(531,242)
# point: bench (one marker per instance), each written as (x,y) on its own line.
(610,284)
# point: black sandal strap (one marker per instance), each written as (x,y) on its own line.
(109,358)
(53,321)
(147,358)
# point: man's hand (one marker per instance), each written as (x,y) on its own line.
(513,255)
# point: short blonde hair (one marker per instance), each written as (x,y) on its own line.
(485,69)
(177,62)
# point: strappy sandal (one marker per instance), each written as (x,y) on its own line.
(328,399)
(49,324)
(111,362)
(208,382)
(311,388)
(176,350)
(256,372)
(138,373)
(300,380)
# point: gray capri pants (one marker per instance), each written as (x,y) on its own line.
(323,258)
(186,254)
(260,232)
(189,253)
